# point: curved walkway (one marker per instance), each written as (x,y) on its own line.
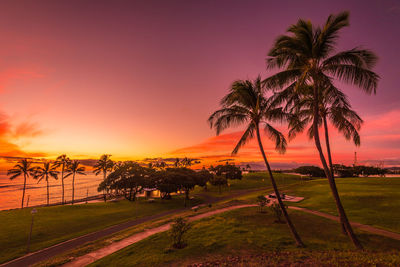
(360,226)
(100,253)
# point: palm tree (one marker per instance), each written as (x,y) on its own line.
(103,165)
(245,104)
(333,105)
(62,161)
(74,168)
(48,170)
(22,168)
(307,55)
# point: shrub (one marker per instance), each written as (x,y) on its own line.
(262,201)
(276,209)
(178,229)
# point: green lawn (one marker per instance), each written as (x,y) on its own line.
(248,232)
(251,181)
(53,225)
(372,201)
(57,224)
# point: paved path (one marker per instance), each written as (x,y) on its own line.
(360,226)
(100,253)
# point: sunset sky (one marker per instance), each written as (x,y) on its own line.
(139,79)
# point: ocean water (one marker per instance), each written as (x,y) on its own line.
(11,190)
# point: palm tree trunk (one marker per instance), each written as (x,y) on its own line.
(48,194)
(277,194)
(23,192)
(104,191)
(73,188)
(331,179)
(62,183)
(328,149)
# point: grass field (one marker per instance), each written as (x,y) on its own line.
(248,232)
(372,200)
(56,224)
(53,225)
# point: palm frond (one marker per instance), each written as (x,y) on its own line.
(277,137)
(247,135)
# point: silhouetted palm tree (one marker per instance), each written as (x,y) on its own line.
(48,170)
(306,53)
(245,104)
(62,161)
(103,165)
(22,168)
(73,169)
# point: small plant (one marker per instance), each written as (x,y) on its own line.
(276,209)
(262,201)
(178,229)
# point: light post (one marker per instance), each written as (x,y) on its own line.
(33,212)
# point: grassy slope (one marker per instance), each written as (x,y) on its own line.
(56,224)
(373,201)
(246,231)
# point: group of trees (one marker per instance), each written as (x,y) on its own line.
(303,94)
(47,170)
(129,178)
(358,170)
(342,171)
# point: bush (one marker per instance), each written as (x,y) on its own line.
(178,229)
(276,209)
(262,201)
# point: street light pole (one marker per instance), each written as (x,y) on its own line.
(33,212)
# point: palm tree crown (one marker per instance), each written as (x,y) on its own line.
(104,164)
(245,104)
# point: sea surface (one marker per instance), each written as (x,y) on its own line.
(11,190)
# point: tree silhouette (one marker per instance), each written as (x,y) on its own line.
(62,161)
(48,170)
(307,55)
(73,169)
(22,168)
(245,104)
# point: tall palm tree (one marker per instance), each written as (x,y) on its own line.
(22,168)
(307,54)
(333,106)
(245,104)
(73,169)
(47,171)
(103,165)
(62,161)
